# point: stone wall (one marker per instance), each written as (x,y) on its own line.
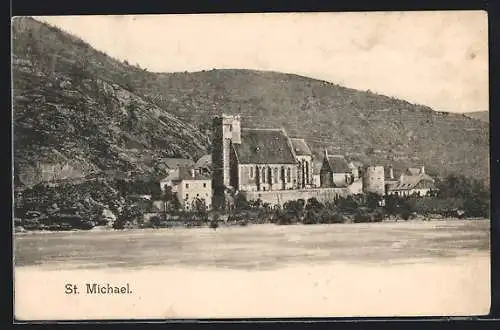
(282,196)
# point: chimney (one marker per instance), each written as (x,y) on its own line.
(391,173)
(422,170)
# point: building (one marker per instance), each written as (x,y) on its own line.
(204,164)
(304,157)
(245,159)
(317,164)
(390,179)
(168,181)
(335,172)
(188,184)
(412,181)
(192,186)
(356,186)
(374,180)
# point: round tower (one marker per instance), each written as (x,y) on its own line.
(373,180)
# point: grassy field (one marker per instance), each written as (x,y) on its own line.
(436,268)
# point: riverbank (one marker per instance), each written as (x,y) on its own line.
(222,224)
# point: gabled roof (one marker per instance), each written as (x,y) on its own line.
(204,162)
(412,171)
(172,176)
(264,146)
(186,173)
(338,164)
(407,182)
(300,147)
(178,162)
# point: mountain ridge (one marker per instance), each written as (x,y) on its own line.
(107,114)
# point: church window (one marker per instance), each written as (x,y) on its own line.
(251,172)
(288,175)
(276,174)
(263,175)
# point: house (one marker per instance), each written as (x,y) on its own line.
(168,181)
(356,186)
(253,159)
(412,181)
(335,172)
(390,179)
(304,157)
(192,186)
(204,164)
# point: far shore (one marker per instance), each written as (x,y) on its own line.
(182,225)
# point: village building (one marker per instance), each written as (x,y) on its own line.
(335,172)
(193,186)
(188,185)
(304,157)
(390,179)
(317,164)
(412,181)
(169,180)
(204,164)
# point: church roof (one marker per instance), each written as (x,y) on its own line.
(300,147)
(264,146)
(338,164)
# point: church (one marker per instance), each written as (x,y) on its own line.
(251,159)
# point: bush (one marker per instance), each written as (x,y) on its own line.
(311,217)
(328,216)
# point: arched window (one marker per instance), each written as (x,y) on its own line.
(276,175)
(288,175)
(251,172)
(263,175)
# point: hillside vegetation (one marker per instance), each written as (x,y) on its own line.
(81,111)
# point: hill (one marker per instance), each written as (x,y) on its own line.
(76,110)
(480,115)
(74,114)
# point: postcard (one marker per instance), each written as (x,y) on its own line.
(263,165)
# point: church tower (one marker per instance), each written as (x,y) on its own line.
(226,131)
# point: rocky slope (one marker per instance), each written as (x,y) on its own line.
(77,111)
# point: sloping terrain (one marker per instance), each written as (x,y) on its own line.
(76,110)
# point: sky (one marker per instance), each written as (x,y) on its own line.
(438,59)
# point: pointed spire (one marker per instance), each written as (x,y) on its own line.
(325,152)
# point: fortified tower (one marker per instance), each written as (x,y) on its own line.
(226,131)
(373,180)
